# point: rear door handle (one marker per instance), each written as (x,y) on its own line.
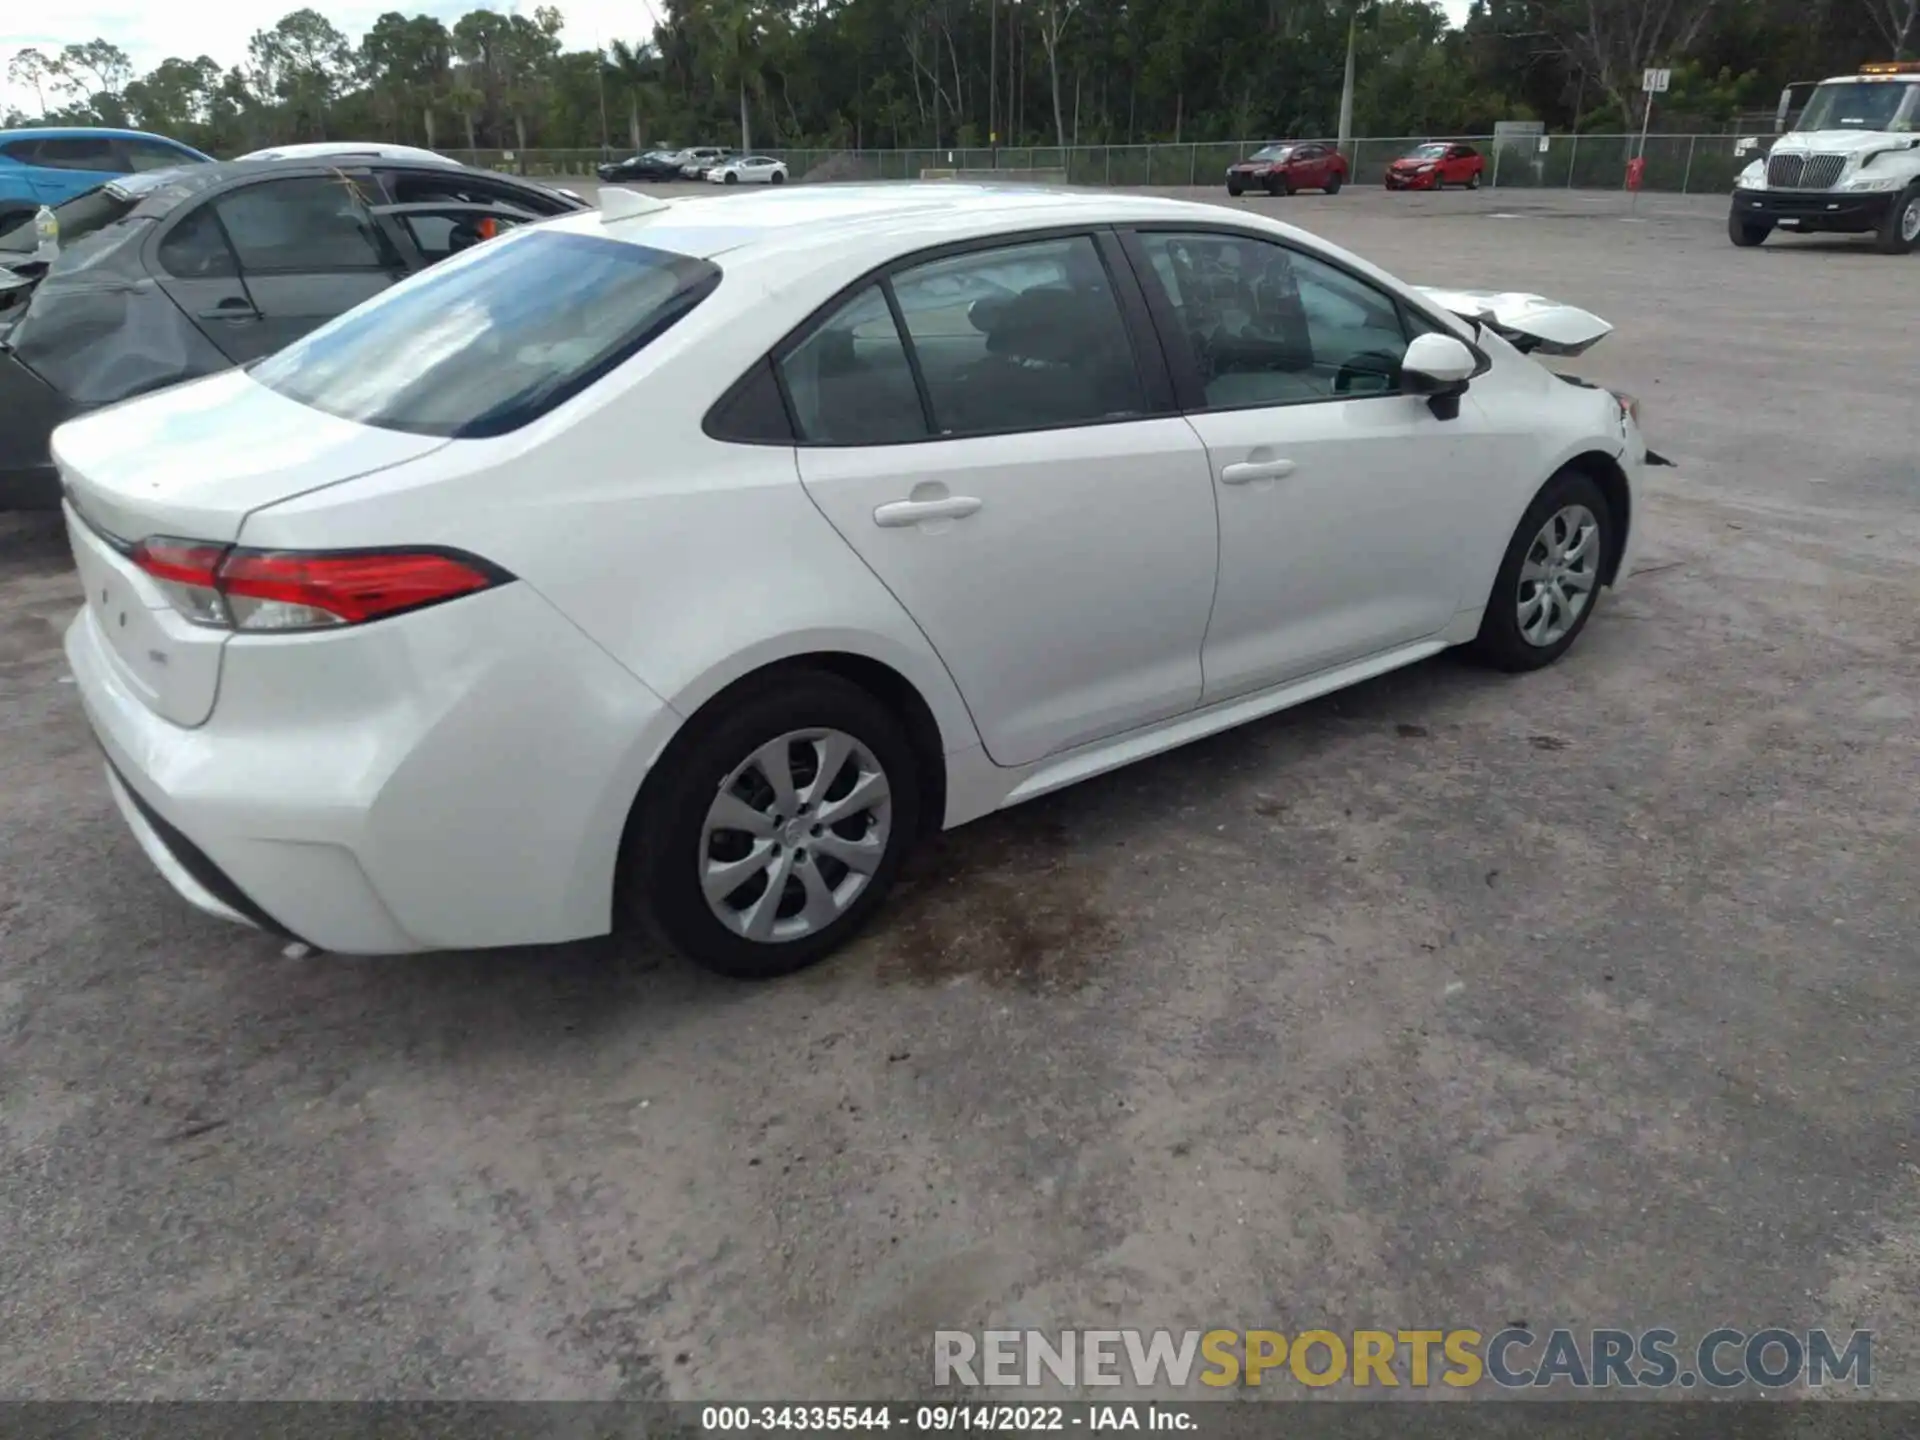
(233,308)
(898,513)
(1249,470)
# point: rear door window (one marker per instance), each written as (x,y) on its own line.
(1027,337)
(196,249)
(79,152)
(494,338)
(302,225)
(850,381)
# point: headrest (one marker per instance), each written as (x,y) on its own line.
(1041,324)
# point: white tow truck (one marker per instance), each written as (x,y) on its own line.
(1850,163)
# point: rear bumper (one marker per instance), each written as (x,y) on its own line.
(1814,209)
(455,778)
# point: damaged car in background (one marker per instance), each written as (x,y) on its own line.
(173,274)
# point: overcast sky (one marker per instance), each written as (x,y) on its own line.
(221,28)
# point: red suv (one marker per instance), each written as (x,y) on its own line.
(1289,165)
(1436,166)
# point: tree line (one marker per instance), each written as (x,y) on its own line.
(893,73)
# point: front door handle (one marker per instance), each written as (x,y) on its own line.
(913,512)
(1249,470)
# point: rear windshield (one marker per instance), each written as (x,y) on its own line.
(489,340)
(80,216)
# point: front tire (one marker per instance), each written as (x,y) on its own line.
(730,178)
(1747,233)
(1277,185)
(779,825)
(1235,190)
(1899,232)
(1549,581)
(779,177)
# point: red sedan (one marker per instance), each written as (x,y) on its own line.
(1436,166)
(1289,165)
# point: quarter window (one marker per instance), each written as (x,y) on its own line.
(1266,325)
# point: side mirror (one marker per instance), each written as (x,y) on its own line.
(1439,367)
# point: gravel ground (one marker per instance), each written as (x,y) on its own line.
(1584,998)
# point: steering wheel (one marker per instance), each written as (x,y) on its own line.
(1382,367)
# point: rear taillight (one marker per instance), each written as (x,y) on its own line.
(235,588)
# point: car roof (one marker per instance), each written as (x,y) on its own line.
(881,220)
(373,149)
(163,191)
(76,132)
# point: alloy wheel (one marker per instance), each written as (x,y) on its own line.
(1910,221)
(794,835)
(1558,576)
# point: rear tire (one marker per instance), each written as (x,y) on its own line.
(779,177)
(1747,233)
(1473,181)
(666,868)
(1334,184)
(1567,506)
(1899,232)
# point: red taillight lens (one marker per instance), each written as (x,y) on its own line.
(306,590)
(188,574)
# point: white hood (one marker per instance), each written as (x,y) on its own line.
(1840,142)
(1530,322)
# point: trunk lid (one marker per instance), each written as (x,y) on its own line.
(195,460)
(1530,323)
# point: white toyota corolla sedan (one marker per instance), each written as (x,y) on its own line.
(686,560)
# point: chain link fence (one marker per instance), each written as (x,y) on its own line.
(1678,164)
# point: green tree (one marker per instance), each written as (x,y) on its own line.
(636,74)
(303,62)
(737,37)
(407,63)
(29,67)
(176,97)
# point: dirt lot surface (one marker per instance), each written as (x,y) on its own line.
(1586,998)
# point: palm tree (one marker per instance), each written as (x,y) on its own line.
(636,70)
(464,98)
(738,35)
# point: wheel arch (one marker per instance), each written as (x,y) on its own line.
(879,679)
(1604,470)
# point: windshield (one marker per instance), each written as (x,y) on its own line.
(1862,105)
(1273,152)
(1427,152)
(485,342)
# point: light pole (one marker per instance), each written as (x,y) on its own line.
(1346,88)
